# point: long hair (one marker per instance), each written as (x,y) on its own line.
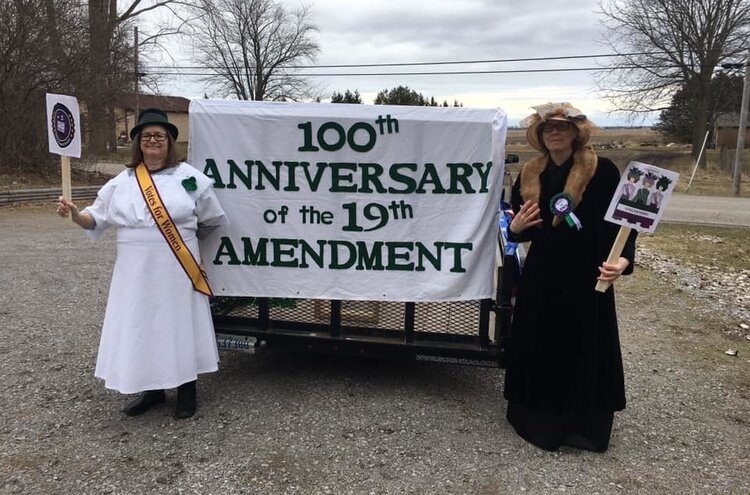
(136,155)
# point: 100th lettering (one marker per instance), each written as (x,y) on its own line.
(331,136)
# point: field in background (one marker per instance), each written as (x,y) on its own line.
(623,145)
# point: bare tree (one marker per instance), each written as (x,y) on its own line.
(668,45)
(69,47)
(251,46)
(110,62)
(29,68)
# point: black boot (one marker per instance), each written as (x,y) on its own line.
(185,401)
(144,402)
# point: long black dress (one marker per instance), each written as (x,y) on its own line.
(564,378)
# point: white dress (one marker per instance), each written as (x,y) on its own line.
(157,330)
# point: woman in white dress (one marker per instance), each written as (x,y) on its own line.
(157,331)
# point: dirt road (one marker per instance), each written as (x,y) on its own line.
(279,423)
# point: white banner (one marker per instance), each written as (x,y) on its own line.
(63,125)
(338,201)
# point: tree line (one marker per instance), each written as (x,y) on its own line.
(400,95)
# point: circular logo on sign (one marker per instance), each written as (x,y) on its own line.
(63,125)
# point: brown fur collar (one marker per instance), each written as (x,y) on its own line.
(584,166)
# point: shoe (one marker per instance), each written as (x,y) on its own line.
(144,402)
(185,401)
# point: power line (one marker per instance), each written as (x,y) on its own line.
(453,62)
(442,73)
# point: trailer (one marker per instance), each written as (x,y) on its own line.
(256,310)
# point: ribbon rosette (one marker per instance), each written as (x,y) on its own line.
(190,184)
(562,206)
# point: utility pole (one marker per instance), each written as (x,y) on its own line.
(738,157)
(137,91)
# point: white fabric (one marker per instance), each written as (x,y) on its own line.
(367,188)
(157,330)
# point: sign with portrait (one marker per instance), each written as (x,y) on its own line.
(641,196)
(357,202)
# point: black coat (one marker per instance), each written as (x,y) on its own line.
(564,349)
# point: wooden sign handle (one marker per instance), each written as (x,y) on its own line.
(66,189)
(614,255)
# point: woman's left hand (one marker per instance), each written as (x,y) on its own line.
(609,272)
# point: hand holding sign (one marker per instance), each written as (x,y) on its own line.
(638,203)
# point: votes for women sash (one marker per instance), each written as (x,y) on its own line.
(169,230)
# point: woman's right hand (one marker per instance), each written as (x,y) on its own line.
(528,216)
(66,207)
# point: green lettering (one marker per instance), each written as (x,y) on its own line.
(342,265)
(314,182)
(372,260)
(484,174)
(430,176)
(212,171)
(226,249)
(258,256)
(395,173)
(394,256)
(423,252)
(338,176)
(460,172)
(318,256)
(281,248)
(371,173)
(457,247)
(292,174)
(265,172)
(234,171)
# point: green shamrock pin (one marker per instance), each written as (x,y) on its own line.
(190,184)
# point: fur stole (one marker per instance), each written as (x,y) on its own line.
(584,166)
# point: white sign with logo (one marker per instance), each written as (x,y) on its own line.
(63,125)
(338,201)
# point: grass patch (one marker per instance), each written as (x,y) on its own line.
(648,146)
(725,248)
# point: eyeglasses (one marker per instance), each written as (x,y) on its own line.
(158,136)
(559,126)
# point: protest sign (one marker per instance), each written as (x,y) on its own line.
(642,196)
(64,133)
(639,202)
(336,201)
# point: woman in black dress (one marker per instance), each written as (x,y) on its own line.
(564,377)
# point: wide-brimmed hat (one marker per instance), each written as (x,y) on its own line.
(556,111)
(153,116)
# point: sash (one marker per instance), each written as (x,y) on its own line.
(170,232)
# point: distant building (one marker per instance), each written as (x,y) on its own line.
(175,106)
(725,131)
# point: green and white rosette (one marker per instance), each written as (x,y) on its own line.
(562,205)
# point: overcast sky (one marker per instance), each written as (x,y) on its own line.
(400,31)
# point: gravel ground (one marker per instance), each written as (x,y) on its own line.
(275,423)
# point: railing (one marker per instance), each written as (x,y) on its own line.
(8,198)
